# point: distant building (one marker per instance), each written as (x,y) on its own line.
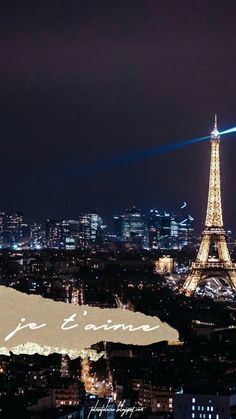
(168,231)
(154,226)
(70,234)
(186,228)
(25,240)
(62,234)
(13,229)
(212,335)
(91,227)
(35,236)
(54,234)
(165,264)
(174,232)
(159,398)
(206,402)
(70,243)
(66,234)
(163,229)
(2,227)
(130,227)
(117,227)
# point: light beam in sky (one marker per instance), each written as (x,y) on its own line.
(228,131)
(139,155)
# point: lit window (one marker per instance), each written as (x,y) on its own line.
(193,407)
(193,415)
(212,408)
(217,416)
(193,400)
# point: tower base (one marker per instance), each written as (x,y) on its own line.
(211,270)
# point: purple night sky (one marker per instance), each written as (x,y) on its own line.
(84,81)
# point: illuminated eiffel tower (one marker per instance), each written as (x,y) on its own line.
(214,235)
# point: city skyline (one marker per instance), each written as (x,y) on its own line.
(145,208)
(80,87)
(148,230)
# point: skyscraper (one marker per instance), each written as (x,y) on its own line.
(2,227)
(185,227)
(54,234)
(14,228)
(35,236)
(130,227)
(90,226)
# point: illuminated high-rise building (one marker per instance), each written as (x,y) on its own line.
(154,226)
(2,227)
(54,234)
(174,232)
(186,227)
(69,234)
(14,228)
(36,236)
(167,231)
(186,231)
(130,227)
(90,226)
(206,400)
(62,234)
(163,229)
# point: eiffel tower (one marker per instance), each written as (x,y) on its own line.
(213,236)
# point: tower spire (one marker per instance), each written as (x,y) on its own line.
(215,133)
(215,126)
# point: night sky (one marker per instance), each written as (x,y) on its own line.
(86,81)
